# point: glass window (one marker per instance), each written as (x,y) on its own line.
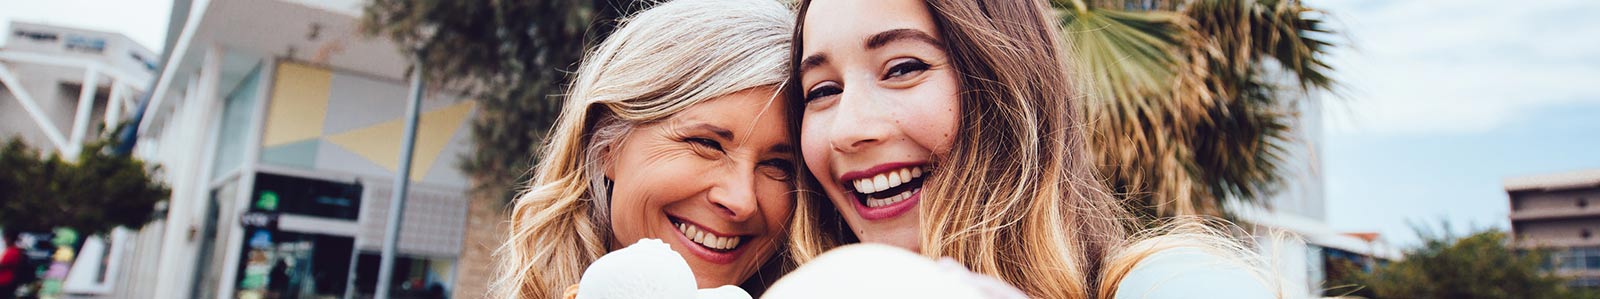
(235,124)
(305,196)
(286,265)
(414,277)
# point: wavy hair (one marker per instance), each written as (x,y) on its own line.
(656,64)
(1018,197)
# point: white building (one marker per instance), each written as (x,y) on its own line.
(62,84)
(279,126)
(61,87)
(1305,247)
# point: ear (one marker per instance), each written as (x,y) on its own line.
(607,155)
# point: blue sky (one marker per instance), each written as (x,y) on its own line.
(1445,99)
(1442,100)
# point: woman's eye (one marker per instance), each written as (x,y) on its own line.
(778,169)
(705,143)
(909,66)
(821,91)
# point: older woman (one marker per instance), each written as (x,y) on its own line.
(674,130)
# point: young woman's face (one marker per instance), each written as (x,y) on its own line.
(881,109)
(713,182)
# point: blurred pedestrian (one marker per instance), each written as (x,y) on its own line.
(12,262)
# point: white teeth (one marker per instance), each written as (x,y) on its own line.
(886,180)
(707,239)
(880,202)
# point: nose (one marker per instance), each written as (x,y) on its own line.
(859,122)
(734,196)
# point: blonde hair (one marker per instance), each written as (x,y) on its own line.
(656,64)
(1017,196)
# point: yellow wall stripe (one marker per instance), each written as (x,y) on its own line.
(299,104)
(380,143)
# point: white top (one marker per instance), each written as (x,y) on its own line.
(1191,273)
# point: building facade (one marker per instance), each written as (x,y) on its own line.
(279,126)
(1290,225)
(1558,212)
(60,88)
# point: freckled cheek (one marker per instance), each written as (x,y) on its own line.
(933,120)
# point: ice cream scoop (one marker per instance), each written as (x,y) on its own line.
(881,271)
(647,269)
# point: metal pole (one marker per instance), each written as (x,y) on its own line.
(402,180)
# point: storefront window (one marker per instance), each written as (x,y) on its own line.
(287,265)
(414,277)
(303,196)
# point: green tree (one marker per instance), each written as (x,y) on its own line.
(1185,109)
(94,193)
(1479,265)
(514,58)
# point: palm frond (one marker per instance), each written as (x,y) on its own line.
(1184,110)
(1138,68)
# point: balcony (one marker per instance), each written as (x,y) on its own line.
(1554,214)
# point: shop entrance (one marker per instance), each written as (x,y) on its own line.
(289,265)
(299,238)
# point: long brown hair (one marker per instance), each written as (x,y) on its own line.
(1017,198)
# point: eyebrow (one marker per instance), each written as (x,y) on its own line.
(724,133)
(813,61)
(874,42)
(894,35)
(783,148)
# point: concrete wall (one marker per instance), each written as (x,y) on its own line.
(1562,232)
(47,86)
(1564,200)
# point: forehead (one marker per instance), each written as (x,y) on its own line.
(844,24)
(756,114)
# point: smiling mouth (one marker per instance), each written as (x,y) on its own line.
(887,188)
(705,238)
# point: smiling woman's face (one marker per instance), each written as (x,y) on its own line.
(712,181)
(881,109)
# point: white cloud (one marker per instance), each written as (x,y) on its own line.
(1421,67)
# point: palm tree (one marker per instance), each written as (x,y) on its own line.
(1185,107)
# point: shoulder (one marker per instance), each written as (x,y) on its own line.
(1186,272)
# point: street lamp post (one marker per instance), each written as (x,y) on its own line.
(402,181)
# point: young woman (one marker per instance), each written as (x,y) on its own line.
(947,127)
(673,130)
